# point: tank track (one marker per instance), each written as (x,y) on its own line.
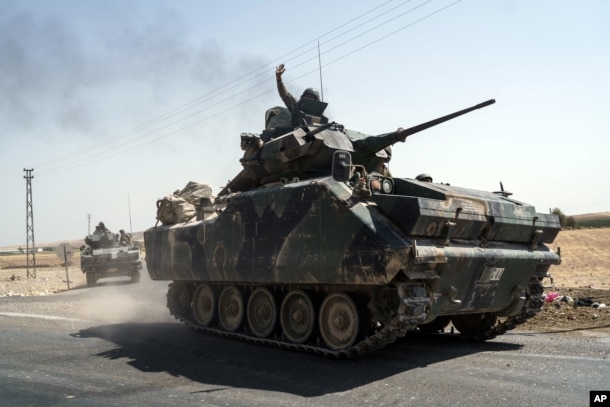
(533,304)
(411,312)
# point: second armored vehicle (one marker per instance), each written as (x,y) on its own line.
(108,255)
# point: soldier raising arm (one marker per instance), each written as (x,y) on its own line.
(286,96)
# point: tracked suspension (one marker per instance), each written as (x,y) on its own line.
(411,312)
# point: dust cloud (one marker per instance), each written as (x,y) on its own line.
(119,301)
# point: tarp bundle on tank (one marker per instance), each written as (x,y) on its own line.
(181,205)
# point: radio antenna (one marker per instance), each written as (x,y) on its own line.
(320,67)
(129,204)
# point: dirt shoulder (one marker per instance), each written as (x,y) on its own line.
(584,274)
(51,275)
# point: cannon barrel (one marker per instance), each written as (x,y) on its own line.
(416,129)
(372,144)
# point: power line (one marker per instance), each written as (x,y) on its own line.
(395,31)
(130,137)
(214,93)
(86,160)
(55,194)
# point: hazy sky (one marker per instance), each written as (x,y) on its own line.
(115,104)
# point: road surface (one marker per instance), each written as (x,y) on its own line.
(116,345)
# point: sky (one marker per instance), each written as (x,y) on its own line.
(117,103)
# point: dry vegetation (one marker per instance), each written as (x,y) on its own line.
(592,216)
(50,275)
(583,273)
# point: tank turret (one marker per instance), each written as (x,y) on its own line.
(100,239)
(301,145)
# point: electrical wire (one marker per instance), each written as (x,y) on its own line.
(54,193)
(119,144)
(211,94)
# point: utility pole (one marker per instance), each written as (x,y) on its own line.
(88,224)
(29,224)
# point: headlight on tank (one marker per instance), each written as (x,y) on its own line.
(387,186)
(381,185)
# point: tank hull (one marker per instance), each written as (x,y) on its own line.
(116,261)
(418,254)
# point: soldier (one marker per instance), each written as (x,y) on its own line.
(383,168)
(101,228)
(289,100)
(424,177)
(125,238)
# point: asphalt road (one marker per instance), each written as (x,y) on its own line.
(116,345)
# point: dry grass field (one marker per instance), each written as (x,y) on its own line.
(583,273)
(50,275)
(592,216)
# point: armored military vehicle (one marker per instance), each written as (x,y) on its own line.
(106,256)
(315,246)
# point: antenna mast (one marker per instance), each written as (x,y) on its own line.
(129,204)
(320,68)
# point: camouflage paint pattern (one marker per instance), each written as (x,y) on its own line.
(388,254)
(320,233)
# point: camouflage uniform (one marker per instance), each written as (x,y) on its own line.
(289,100)
(101,228)
(286,96)
(125,238)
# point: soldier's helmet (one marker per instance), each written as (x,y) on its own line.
(424,177)
(122,231)
(311,93)
(102,225)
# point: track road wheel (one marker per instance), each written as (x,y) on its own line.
(91,279)
(262,312)
(230,309)
(339,321)
(204,305)
(297,316)
(474,325)
(178,298)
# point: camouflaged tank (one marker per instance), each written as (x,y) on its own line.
(104,256)
(315,247)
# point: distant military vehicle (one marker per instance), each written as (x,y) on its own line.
(314,246)
(105,256)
